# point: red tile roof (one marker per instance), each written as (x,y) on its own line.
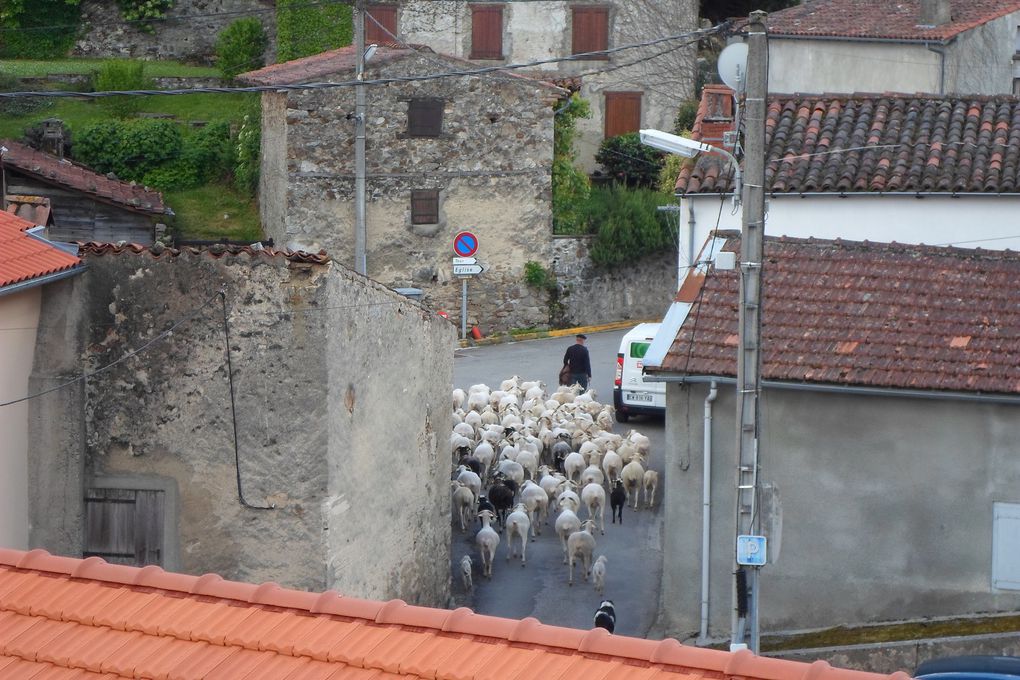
(865,314)
(896,143)
(35,209)
(24,257)
(216,250)
(900,20)
(62,172)
(66,618)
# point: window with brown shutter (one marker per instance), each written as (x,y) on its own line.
(386,16)
(425,206)
(486,31)
(590,32)
(424,117)
(124,526)
(623,113)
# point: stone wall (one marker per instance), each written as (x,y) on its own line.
(187,34)
(338,430)
(491,165)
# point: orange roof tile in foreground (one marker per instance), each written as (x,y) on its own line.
(64,618)
(24,257)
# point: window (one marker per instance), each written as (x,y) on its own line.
(638,349)
(425,206)
(590,30)
(124,526)
(623,113)
(1006,546)
(386,15)
(486,31)
(425,117)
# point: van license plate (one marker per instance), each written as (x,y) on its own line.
(638,396)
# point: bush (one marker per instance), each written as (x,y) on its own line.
(303,29)
(626,224)
(240,47)
(144,11)
(129,149)
(627,160)
(670,172)
(30,35)
(120,74)
(206,156)
(537,276)
(686,113)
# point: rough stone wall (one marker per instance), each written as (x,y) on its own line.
(492,166)
(641,290)
(304,344)
(188,33)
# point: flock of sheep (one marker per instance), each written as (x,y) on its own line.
(521,455)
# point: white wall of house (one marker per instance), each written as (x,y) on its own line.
(818,66)
(970,221)
(19,320)
(980,61)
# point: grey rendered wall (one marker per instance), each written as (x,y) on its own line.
(885,507)
(980,61)
(168,413)
(819,66)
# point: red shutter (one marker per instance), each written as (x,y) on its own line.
(623,113)
(590,32)
(486,31)
(385,15)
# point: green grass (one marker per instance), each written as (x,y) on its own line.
(26,68)
(213,212)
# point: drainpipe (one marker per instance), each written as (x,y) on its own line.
(691,224)
(706,510)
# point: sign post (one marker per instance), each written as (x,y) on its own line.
(465,245)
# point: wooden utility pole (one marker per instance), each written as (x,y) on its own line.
(749,351)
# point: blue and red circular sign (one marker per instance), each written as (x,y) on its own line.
(465,244)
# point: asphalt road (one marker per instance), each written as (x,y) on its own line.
(633,550)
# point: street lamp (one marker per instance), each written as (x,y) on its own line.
(689,148)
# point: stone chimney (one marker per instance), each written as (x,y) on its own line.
(935,13)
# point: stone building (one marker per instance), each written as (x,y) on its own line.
(628,90)
(309,453)
(444,154)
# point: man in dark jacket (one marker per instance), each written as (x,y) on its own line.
(576,358)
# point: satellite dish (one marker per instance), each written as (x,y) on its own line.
(733,66)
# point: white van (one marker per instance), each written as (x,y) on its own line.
(631,394)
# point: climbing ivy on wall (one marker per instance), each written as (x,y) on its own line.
(30,32)
(144,11)
(303,30)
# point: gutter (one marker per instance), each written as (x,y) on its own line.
(860,194)
(844,389)
(941,51)
(843,38)
(42,280)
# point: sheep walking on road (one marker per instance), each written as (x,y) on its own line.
(465,573)
(612,464)
(463,503)
(618,499)
(517,526)
(651,481)
(598,574)
(487,540)
(594,498)
(633,477)
(581,544)
(566,524)
(537,504)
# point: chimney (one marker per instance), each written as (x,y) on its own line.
(935,13)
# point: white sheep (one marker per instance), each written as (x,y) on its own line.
(643,443)
(465,573)
(592,474)
(627,450)
(485,455)
(511,383)
(568,495)
(465,430)
(612,465)
(536,392)
(512,470)
(477,401)
(463,503)
(581,544)
(528,460)
(650,482)
(550,482)
(566,524)
(470,479)
(487,541)
(594,498)
(587,449)
(573,465)
(598,574)
(633,477)
(517,526)
(536,501)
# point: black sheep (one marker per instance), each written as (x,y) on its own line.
(502,499)
(473,464)
(618,499)
(605,616)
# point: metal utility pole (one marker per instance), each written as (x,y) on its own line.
(360,237)
(749,355)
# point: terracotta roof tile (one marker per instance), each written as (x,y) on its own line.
(899,20)
(893,143)
(160,625)
(24,257)
(62,172)
(866,314)
(159,250)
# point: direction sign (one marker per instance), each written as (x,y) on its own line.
(467,269)
(465,244)
(464,260)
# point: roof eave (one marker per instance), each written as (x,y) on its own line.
(42,280)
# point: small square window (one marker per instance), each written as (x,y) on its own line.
(425,117)
(425,206)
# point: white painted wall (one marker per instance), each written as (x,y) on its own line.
(19,320)
(818,66)
(967,222)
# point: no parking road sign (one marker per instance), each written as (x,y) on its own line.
(465,244)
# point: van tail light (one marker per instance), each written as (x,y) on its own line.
(619,371)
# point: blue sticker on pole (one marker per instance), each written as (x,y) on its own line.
(465,244)
(752,550)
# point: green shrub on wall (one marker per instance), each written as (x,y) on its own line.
(627,160)
(129,149)
(303,28)
(626,224)
(570,185)
(30,33)
(116,75)
(241,47)
(144,11)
